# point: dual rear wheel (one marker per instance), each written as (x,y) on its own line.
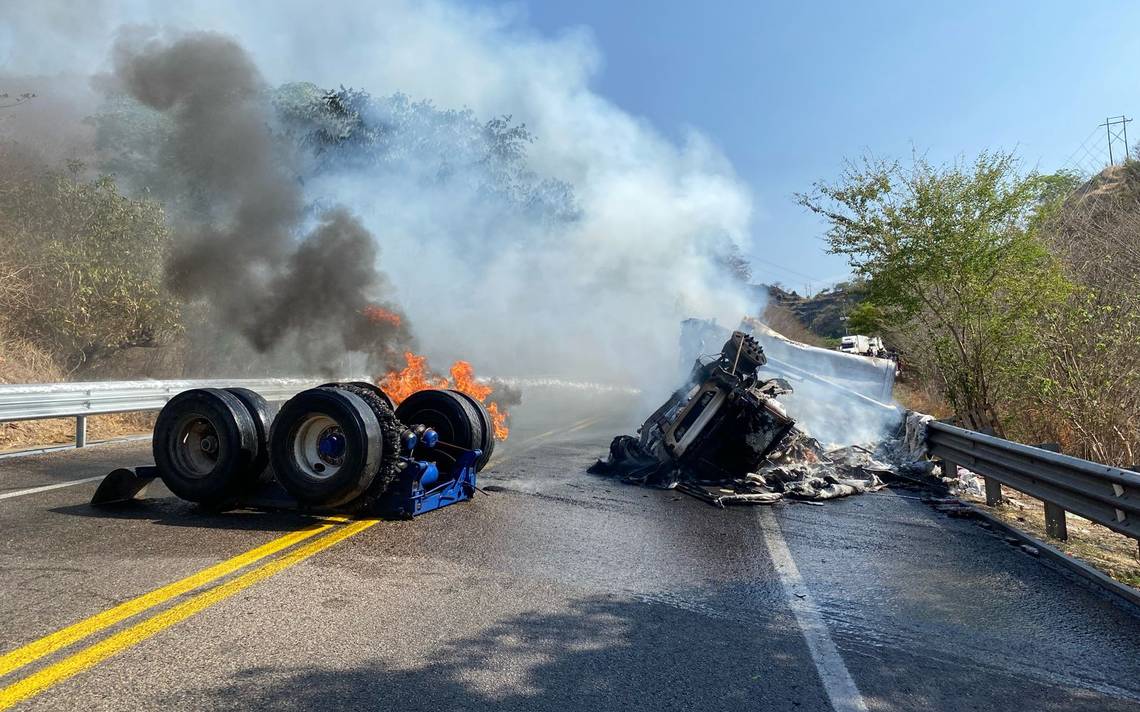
(333,446)
(461,421)
(210,444)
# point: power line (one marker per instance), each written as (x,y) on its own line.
(788,270)
(1091,156)
(1078,158)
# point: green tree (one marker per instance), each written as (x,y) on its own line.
(348,129)
(866,318)
(954,268)
(92,259)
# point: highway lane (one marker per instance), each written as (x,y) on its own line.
(557,590)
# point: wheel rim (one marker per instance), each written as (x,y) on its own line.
(198,446)
(440,423)
(320,447)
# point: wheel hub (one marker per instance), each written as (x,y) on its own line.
(331,446)
(197,445)
(320,446)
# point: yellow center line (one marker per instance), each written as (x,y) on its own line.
(100,621)
(92,655)
(583,424)
(137,633)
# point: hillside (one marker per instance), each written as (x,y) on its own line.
(820,313)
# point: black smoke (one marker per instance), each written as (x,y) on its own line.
(240,240)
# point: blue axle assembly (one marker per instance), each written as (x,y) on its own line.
(341,447)
(417,489)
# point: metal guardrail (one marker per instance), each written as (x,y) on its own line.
(80,400)
(1106,495)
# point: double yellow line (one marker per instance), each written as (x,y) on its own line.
(335,531)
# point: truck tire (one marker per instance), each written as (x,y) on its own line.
(205,446)
(487,439)
(387,399)
(450,415)
(390,429)
(326,446)
(262,415)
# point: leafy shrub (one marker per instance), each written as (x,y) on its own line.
(90,261)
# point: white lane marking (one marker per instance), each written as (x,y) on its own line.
(45,488)
(837,682)
(71,446)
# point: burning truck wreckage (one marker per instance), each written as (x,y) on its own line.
(356,445)
(726,437)
(413,442)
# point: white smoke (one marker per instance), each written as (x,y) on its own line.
(600,298)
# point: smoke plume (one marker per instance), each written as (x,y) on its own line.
(593,290)
(238,242)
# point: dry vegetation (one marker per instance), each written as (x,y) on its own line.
(785,321)
(921,397)
(1091,403)
(80,263)
(80,286)
(30,434)
(21,361)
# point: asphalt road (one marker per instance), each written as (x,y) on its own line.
(556,591)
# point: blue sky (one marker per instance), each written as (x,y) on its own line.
(787,90)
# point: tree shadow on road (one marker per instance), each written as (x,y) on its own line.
(710,651)
(599,653)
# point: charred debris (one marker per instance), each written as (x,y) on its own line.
(725,438)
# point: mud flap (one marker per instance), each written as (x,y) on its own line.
(123,485)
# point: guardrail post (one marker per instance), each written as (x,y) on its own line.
(80,430)
(993,492)
(1101,493)
(1055,525)
(949,469)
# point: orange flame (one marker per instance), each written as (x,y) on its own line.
(463,376)
(379,315)
(417,377)
(413,377)
(498,421)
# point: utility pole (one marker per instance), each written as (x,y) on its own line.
(1116,128)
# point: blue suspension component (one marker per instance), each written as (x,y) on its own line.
(418,488)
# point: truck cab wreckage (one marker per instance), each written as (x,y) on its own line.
(726,439)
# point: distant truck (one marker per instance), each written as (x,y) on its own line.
(863,345)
